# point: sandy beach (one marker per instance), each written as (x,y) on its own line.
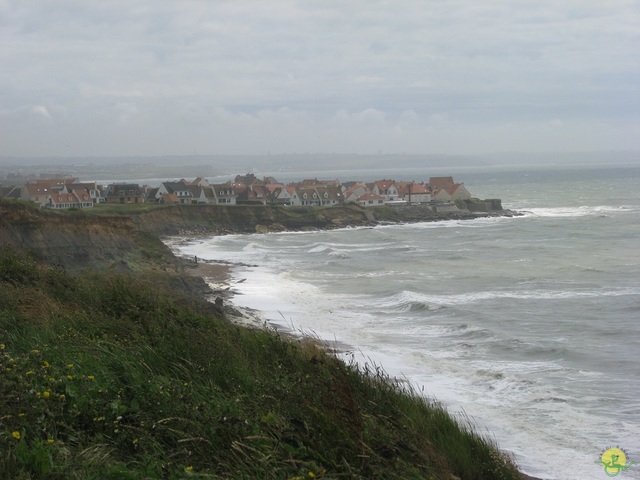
(217,276)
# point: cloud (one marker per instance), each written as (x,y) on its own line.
(345,70)
(40,111)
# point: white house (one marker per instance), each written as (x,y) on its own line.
(180,189)
(371,200)
(225,193)
(386,189)
(352,193)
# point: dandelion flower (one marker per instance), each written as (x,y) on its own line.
(46,394)
(16,435)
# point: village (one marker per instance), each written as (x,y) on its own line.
(65,192)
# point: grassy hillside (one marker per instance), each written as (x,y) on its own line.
(103,376)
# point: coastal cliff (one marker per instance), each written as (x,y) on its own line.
(77,241)
(109,373)
(117,237)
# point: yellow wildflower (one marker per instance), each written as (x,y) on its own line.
(45,364)
(189,469)
(16,435)
(69,365)
(46,394)
(2,346)
(312,475)
(50,441)
(8,369)
(69,377)
(30,372)
(21,414)
(35,351)
(91,377)
(62,397)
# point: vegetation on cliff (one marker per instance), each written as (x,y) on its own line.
(112,366)
(105,377)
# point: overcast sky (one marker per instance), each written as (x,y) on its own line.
(170,77)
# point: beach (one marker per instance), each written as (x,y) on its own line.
(220,279)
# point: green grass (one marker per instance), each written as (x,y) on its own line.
(105,376)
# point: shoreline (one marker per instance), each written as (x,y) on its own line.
(218,276)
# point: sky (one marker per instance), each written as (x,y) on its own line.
(183,77)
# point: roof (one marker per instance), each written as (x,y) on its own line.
(38,189)
(82,196)
(152,193)
(64,198)
(175,186)
(370,196)
(125,188)
(411,188)
(10,192)
(441,182)
(88,185)
(383,185)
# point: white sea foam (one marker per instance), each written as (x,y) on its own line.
(580,211)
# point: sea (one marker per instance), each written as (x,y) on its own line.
(527,326)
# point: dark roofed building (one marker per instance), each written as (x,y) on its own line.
(125,193)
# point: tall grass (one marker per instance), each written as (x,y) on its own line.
(108,377)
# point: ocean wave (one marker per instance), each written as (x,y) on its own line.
(332,248)
(581,211)
(338,254)
(465,332)
(474,297)
(408,301)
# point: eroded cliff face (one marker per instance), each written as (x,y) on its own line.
(83,240)
(77,241)
(219,219)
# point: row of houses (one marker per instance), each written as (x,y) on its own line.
(59,193)
(245,189)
